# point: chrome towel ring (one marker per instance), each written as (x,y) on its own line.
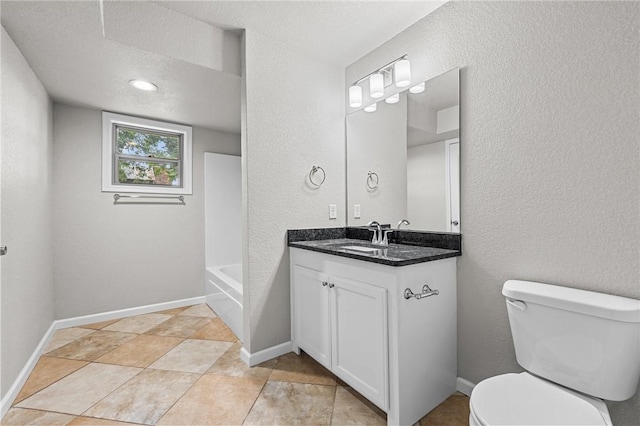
(372,180)
(313,172)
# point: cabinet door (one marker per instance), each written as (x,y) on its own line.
(359,338)
(311,325)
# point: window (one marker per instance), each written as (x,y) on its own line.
(147,156)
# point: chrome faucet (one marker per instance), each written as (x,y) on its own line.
(380,236)
(403,222)
(377,232)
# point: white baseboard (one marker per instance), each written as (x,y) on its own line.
(265,354)
(121,313)
(464,386)
(13,391)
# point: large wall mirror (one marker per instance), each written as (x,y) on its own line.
(403,159)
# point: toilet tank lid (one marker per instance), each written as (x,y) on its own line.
(570,299)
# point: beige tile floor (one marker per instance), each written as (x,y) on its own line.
(182,367)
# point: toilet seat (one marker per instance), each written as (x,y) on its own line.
(523,399)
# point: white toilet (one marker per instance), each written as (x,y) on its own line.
(577,347)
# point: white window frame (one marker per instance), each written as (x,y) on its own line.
(110,120)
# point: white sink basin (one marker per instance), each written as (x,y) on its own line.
(360,248)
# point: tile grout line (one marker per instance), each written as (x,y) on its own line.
(256,399)
(110,393)
(190,387)
(96,362)
(333,406)
(179,398)
(40,390)
(194,383)
(199,377)
(148,368)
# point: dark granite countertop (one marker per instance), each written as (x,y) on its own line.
(392,255)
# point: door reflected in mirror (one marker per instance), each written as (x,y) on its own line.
(413,147)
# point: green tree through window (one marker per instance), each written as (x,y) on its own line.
(145,157)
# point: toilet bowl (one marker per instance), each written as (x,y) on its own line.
(523,399)
(578,348)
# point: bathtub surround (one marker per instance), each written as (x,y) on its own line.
(549,155)
(222,209)
(114,257)
(223,238)
(223,292)
(27,301)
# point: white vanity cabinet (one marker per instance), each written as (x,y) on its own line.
(352,317)
(342,324)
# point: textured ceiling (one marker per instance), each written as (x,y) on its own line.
(339,31)
(85,52)
(78,64)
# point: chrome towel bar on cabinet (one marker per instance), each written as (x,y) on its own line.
(426,292)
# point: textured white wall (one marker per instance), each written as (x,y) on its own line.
(27,284)
(293,118)
(550,95)
(223,209)
(378,143)
(114,257)
(427,187)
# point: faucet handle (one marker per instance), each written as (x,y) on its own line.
(374,239)
(385,239)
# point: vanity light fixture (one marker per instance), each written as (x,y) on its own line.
(418,88)
(376,85)
(143,85)
(402,72)
(371,108)
(398,70)
(393,99)
(355,96)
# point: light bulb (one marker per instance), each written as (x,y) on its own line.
(143,85)
(355,96)
(418,88)
(372,107)
(393,99)
(402,71)
(376,85)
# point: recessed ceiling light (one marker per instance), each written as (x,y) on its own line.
(143,85)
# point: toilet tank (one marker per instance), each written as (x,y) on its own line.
(586,341)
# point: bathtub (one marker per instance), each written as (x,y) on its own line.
(223,290)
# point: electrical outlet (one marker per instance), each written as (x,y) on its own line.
(333,211)
(356,211)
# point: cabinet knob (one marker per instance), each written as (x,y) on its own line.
(331,285)
(324,283)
